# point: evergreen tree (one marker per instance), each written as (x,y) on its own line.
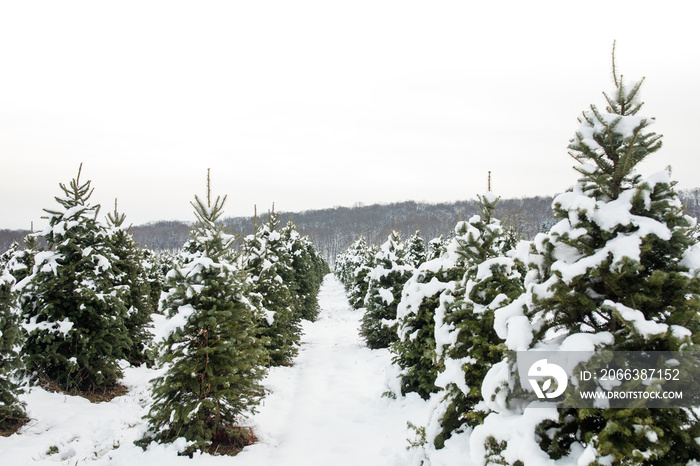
(8,254)
(72,310)
(267,261)
(415,351)
(19,262)
(436,248)
(156,266)
(415,250)
(12,413)
(352,268)
(467,340)
(131,278)
(308,269)
(385,284)
(210,350)
(615,272)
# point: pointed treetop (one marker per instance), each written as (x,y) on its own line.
(273,219)
(115,219)
(624,102)
(487,205)
(208,214)
(609,145)
(209,187)
(76,194)
(31,241)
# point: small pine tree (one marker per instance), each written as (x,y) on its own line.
(266,259)
(415,250)
(72,312)
(131,277)
(352,268)
(308,270)
(213,359)
(470,345)
(385,284)
(415,351)
(6,256)
(156,266)
(18,261)
(12,414)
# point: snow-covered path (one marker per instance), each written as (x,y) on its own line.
(328,408)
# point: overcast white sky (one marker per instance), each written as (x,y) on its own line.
(311,104)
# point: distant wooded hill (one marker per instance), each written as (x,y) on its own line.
(333,229)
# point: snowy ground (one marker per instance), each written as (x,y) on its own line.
(326,409)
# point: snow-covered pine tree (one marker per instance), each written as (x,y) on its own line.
(156,266)
(8,254)
(352,268)
(467,342)
(18,261)
(415,250)
(385,284)
(16,264)
(436,247)
(209,346)
(266,259)
(131,277)
(72,312)
(307,270)
(427,290)
(12,414)
(619,271)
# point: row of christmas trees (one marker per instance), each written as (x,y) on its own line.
(618,272)
(73,311)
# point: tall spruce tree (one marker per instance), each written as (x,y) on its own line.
(213,358)
(72,309)
(617,273)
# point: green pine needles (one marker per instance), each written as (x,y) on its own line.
(12,413)
(213,358)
